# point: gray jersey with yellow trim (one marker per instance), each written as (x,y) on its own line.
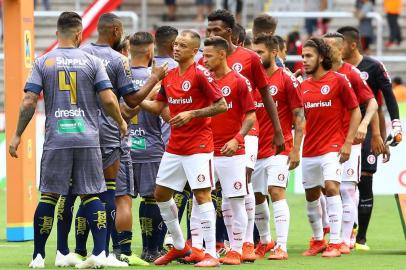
(119,72)
(70,79)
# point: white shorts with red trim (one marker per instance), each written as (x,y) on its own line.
(317,170)
(251,150)
(271,171)
(230,171)
(175,170)
(352,167)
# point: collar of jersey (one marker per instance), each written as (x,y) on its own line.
(100,45)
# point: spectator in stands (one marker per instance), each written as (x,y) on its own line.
(171,11)
(201,4)
(45,2)
(363,7)
(399,89)
(282,52)
(294,47)
(393,9)
(314,24)
(235,7)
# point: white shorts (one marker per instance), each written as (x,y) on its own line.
(352,167)
(175,170)
(271,171)
(251,150)
(318,169)
(230,171)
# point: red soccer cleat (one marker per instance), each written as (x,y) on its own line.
(326,231)
(173,254)
(196,256)
(232,258)
(332,251)
(316,246)
(208,261)
(278,254)
(248,252)
(262,249)
(344,249)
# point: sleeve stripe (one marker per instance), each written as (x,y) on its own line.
(32,87)
(125,90)
(102,85)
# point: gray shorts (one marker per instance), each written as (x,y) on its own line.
(125,177)
(145,177)
(82,165)
(110,155)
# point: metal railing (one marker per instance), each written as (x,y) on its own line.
(382,58)
(332,14)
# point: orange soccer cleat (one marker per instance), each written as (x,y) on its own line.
(248,252)
(316,246)
(278,254)
(262,249)
(196,256)
(344,248)
(332,251)
(208,261)
(173,254)
(232,258)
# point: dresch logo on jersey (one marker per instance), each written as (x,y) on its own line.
(177,101)
(138,139)
(319,104)
(68,124)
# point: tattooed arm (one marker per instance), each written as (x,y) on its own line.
(299,122)
(183,118)
(27,110)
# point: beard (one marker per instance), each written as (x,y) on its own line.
(116,44)
(314,69)
(266,63)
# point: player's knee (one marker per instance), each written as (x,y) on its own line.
(259,198)
(162,194)
(277,193)
(312,194)
(332,188)
(202,195)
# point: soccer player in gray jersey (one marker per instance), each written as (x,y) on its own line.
(71,80)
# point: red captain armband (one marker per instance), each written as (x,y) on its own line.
(239,138)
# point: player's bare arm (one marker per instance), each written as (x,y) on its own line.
(299,123)
(371,109)
(231,146)
(110,104)
(27,110)
(183,118)
(270,107)
(377,144)
(127,112)
(345,150)
(157,74)
(382,127)
(153,106)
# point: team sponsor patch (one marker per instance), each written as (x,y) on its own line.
(364,75)
(237,185)
(237,67)
(325,89)
(201,178)
(226,91)
(371,159)
(274,90)
(186,86)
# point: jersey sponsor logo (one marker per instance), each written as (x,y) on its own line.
(364,75)
(138,82)
(62,61)
(177,101)
(138,132)
(237,185)
(226,90)
(105,62)
(258,104)
(59,113)
(273,89)
(371,159)
(50,62)
(325,89)
(237,67)
(186,86)
(248,85)
(230,105)
(201,178)
(76,125)
(206,73)
(320,104)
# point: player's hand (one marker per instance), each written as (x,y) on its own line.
(345,152)
(15,142)
(123,128)
(386,154)
(159,71)
(395,136)
(279,142)
(361,133)
(294,159)
(229,148)
(181,119)
(377,144)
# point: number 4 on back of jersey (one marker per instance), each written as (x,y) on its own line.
(67,82)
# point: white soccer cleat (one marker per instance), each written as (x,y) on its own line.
(71,259)
(168,240)
(93,262)
(38,262)
(112,261)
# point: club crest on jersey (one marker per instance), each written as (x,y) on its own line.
(325,89)
(237,185)
(281,177)
(364,75)
(371,159)
(237,67)
(186,86)
(226,91)
(273,89)
(350,172)
(201,178)
(338,172)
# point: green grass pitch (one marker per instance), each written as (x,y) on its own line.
(388,246)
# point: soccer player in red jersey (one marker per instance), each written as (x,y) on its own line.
(192,97)
(351,168)
(327,96)
(247,63)
(272,171)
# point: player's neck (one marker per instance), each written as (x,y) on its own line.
(355,59)
(102,41)
(139,61)
(319,74)
(231,47)
(164,53)
(66,44)
(221,71)
(183,66)
(272,69)
(337,65)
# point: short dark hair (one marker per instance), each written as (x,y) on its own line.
(222,15)
(105,22)
(322,49)
(193,34)
(239,33)
(141,38)
(217,42)
(397,80)
(281,42)
(123,43)
(350,33)
(333,35)
(247,41)
(165,34)
(68,22)
(270,42)
(264,23)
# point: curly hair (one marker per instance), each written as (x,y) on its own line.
(222,15)
(322,49)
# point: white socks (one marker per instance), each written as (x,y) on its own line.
(335,215)
(195,226)
(240,220)
(169,213)
(314,216)
(324,216)
(350,209)
(250,208)
(208,225)
(262,217)
(228,218)
(282,219)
